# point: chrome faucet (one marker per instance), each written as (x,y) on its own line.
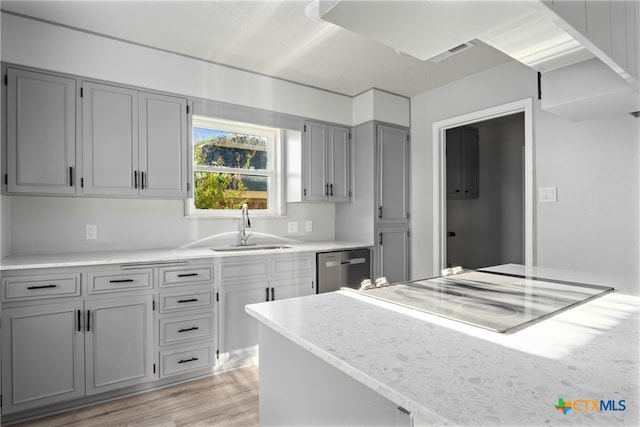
(246,224)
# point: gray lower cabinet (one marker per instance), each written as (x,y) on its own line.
(118,343)
(250,280)
(42,355)
(58,352)
(41,129)
(68,334)
(392,253)
(187,329)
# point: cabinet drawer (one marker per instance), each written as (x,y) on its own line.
(293,264)
(242,269)
(185,301)
(176,362)
(175,276)
(186,328)
(109,282)
(41,286)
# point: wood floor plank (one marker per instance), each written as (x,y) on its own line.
(227,399)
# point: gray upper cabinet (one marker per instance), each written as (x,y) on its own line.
(163,145)
(462,163)
(110,140)
(134,143)
(41,155)
(392,180)
(326,163)
(338,167)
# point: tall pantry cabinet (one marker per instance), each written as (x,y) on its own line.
(380,211)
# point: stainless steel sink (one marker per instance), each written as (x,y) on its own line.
(249,248)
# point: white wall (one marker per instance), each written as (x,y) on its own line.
(37,44)
(595,223)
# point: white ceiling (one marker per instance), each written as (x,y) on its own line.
(274,38)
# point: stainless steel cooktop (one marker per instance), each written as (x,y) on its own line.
(495,301)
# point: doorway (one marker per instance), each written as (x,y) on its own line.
(489,120)
(485,192)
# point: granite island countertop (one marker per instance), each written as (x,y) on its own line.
(449,373)
(23,262)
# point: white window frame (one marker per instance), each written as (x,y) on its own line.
(273,172)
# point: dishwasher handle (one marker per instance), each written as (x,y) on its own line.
(352,261)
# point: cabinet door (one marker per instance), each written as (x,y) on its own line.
(40,133)
(339,164)
(293,287)
(392,183)
(110,140)
(469,162)
(163,146)
(119,343)
(42,355)
(238,330)
(315,170)
(462,163)
(392,254)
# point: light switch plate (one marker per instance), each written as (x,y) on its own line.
(292,226)
(547,195)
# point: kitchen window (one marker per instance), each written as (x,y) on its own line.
(233,164)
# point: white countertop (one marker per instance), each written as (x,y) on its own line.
(22,262)
(446,372)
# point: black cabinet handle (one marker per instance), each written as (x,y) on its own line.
(273,295)
(326,189)
(187,300)
(79,321)
(42,287)
(193,328)
(267,291)
(121,281)
(135,179)
(187,275)
(88,320)
(70,176)
(193,359)
(142,180)
(331,190)
(380,211)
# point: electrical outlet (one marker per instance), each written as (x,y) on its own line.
(91,232)
(292,226)
(547,194)
(308,226)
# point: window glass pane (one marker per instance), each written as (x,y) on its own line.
(218,190)
(229,149)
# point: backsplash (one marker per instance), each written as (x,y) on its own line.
(57,225)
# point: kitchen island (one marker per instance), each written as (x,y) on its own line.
(343,358)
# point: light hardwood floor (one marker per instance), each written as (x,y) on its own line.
(227,399)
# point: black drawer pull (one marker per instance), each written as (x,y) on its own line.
(79,321)
(121,281)
(193,328)
(193,359)
(88,320)
(187,275)
(180,301)
(42,287)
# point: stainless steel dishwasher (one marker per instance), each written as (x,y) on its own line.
(342,268)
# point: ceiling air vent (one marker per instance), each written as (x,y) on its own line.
(454,50)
